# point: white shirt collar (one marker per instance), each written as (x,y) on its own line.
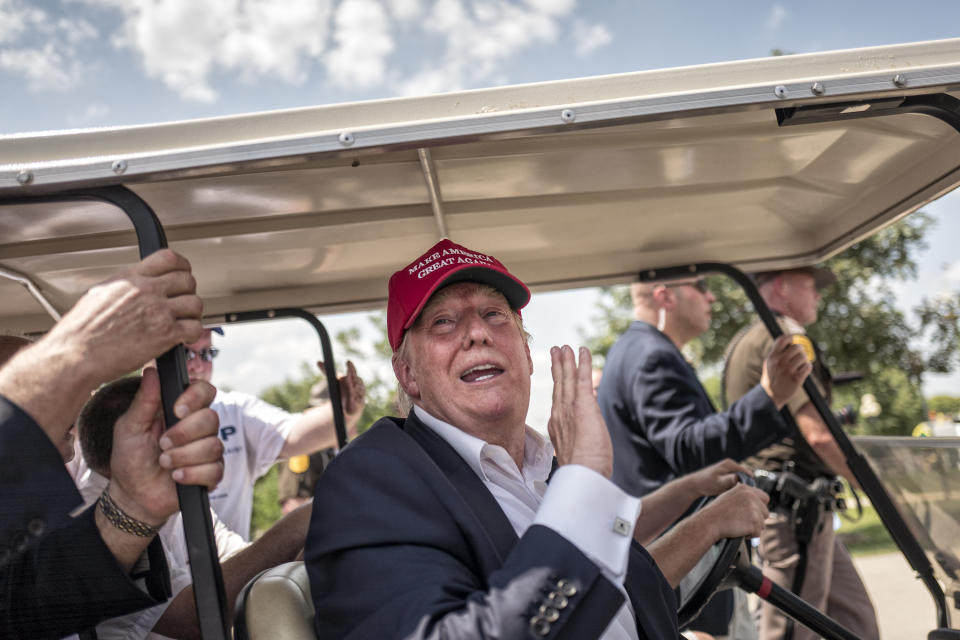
(537,450)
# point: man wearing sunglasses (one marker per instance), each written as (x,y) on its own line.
(661,420)
(256,434)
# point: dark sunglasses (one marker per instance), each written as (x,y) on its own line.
(207,355)
(700,284)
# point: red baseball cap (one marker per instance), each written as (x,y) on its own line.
(444,263)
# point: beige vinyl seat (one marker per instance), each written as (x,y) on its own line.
(276,605)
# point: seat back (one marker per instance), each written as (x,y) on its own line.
(276,605)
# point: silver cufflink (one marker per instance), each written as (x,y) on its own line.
(621,526)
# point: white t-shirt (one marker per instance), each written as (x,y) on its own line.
(253,432)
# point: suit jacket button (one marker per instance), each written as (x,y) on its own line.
(549,613)
(539,626)
(36,527)
(556,600)
(566,588)
(20,542)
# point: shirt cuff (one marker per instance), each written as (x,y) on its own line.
(592,513)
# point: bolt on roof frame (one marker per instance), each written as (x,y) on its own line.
(862,471)
(208,588)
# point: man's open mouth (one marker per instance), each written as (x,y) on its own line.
(481,372)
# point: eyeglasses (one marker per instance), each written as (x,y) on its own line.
(207,355)
(700,284)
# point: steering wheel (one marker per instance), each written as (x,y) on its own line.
(709,574)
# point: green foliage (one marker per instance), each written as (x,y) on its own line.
(939,322)
(859,328)
(867,535)
(614,314)
(712,385)
(266,505)
(947,405)
(293,395)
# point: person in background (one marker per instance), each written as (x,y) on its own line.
(110,550)
(240,561)
(256,434)
(662,422)
(808,560)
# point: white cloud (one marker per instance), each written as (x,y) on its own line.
(44,68)
(479,41)
(16,18)
(405,10)
(555,7)
(76,31)
(182,42)
(777,15)
(190,45)
(362,32)
(39,49)
(951,275)
(92,113)
(589,37)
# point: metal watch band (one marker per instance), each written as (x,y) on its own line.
(118,518)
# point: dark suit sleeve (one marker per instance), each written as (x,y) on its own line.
(683,427)
(388,559)
(56,574)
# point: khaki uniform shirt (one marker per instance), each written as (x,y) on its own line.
(743,370)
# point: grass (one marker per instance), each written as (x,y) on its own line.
(266,507)
(867,536)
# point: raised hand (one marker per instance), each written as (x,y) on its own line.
(147,461)
(784,370)
(130,319)
(353,397)
(576,426)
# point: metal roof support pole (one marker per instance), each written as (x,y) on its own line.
(208,590)
(32,289)
(433,188)
(858,464)
(329,367)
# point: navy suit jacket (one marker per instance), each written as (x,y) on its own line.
(407,542)
(663,426)
(57,576)
(661,420)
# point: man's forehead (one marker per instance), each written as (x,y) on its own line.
(799,277)
(205,338)
(460,290)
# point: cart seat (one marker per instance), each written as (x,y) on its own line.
(276,605)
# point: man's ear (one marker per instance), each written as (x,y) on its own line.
(663,297)
(526,345)
(405,376)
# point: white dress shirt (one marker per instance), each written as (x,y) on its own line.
(579,504)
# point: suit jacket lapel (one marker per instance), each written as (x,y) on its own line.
(489,515)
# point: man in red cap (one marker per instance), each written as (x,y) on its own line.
(459,521)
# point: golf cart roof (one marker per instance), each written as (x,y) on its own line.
(763,163)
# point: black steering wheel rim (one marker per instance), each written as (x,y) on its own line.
(708,575)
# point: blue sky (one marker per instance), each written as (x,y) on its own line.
(94,63)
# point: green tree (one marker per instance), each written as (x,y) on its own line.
(947,405)
(859,328)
